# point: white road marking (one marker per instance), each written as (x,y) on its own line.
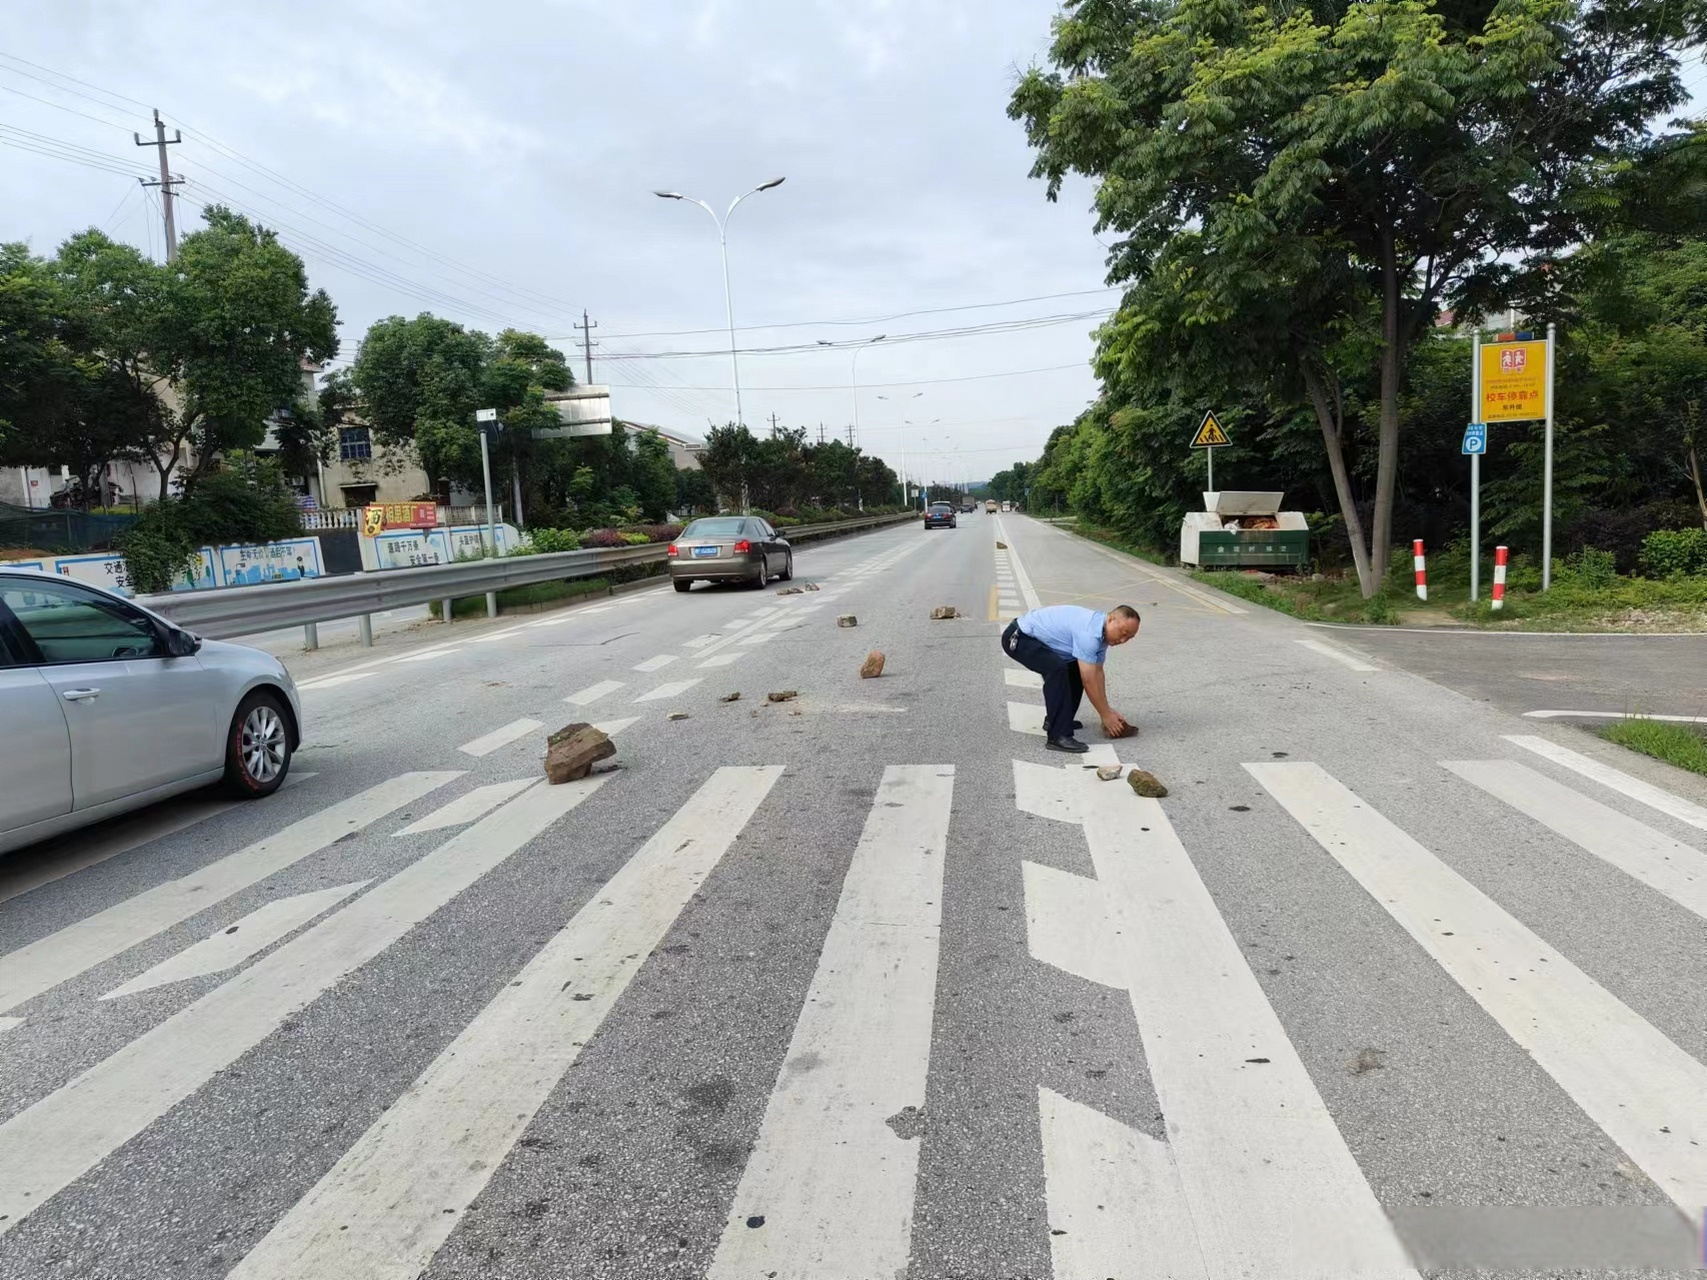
(1665,865)
(6,1024)
(1026,717)
(833,1180)
(1020,575)
(487,743)
(332,682)
(1604,715)
(51,1144)
(1022,679)
(1045,791)
(760,638)
(229,947)
(507,632)
(30,869)
(1269,1179)
(610,728)
(699,642)
(1114,1198)
(670,690)
(387,1206)
(1342,656)
(1160,578)
(722,660)
(1067,924)
(1638,790)
(592,693)
(428,656)
(655,664)
(1629,1079)
(468,806)
(44,964)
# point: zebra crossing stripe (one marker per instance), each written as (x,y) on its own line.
(385,1208)
(1638,1086)
(1116,1207)
(51,1144)
(59,957)
(832,1174)
(1666,866)
(1621,782)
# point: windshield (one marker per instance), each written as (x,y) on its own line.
(718,527)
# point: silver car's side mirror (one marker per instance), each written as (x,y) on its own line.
(181,644)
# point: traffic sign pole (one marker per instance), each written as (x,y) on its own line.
(1476,470)
(1547,480)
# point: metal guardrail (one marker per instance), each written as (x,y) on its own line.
(225,612)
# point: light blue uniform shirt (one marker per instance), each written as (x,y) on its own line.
(1069,629)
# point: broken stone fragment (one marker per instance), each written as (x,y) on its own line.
(872,667)
(811,586)
(784,695)
(847,620)
(1146,784)
(678,715)
(1109,772)
(790,591)
(573,750)
(1131,731)
(1001,546)
(943,612)
(731,697)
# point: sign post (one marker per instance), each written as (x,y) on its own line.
(486,420)
(1476,467)
(1547,480)
(1210,436)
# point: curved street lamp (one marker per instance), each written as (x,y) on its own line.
(728,294)
(859,346)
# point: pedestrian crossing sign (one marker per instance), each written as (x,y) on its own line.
(1210,433)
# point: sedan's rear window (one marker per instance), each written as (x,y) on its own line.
(940,507)
(715,527)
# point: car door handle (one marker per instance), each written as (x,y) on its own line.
(80,695)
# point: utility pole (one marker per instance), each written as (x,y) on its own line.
(850,435)
(166,182)
(773,426)
(587,344)
(820,433)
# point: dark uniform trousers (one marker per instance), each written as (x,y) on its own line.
(1063,687)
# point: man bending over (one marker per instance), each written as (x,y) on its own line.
(1067,644)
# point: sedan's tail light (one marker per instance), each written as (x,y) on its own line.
(743,547)
(672,551)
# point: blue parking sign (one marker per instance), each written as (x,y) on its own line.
(1475,438)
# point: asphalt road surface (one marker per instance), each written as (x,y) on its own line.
(867,983)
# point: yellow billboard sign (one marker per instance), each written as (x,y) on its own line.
(1514,381)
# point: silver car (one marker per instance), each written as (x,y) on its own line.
(105,707)
(730,548)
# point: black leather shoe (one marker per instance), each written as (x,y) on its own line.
(1072,745)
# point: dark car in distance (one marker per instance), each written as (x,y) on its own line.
(940,515)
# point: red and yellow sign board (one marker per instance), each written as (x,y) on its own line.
(1514,381)
(398,515)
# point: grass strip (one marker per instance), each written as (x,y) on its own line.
(1679,744)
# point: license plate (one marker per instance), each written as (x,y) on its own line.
(704,552)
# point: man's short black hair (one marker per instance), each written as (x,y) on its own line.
(1123,612)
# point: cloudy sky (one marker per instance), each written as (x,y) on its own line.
(495,163)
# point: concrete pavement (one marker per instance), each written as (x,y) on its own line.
(868,983)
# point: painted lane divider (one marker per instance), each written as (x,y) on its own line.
(51,1144)
(1255,1178)
(830,1176)
(387,1206)
(59,957)
(1633,1082)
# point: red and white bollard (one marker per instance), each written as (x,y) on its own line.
(1499,577)
(1421,568)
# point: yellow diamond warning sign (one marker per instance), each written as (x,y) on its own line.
(1210,433)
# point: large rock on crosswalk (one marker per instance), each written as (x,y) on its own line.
(1146,784)
(872,667)
(573,750)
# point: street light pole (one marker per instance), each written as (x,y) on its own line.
(728,292)
(906,498)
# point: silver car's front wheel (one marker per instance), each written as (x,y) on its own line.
(258,748)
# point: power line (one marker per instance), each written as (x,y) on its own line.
(922,382)
(870,320)
(1020,325)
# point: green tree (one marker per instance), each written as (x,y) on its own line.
(418,383)
(1298,190)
